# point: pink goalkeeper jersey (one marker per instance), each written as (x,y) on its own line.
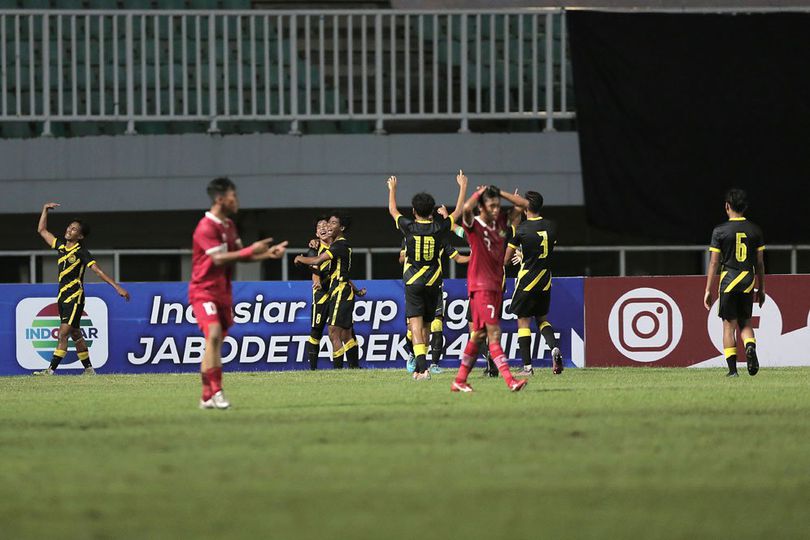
(209,281)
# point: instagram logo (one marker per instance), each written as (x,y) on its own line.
(645,324)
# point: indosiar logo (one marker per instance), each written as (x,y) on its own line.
(37,334)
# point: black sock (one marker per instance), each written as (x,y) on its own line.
(732,363)
(86,363)
(421,363)
(312,355)
(525,345)
(353,357)
(56,359)
(548,334)
(436,346)
(408,344)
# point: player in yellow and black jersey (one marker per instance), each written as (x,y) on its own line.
(320,289)
(422,272)
(737,248)
(74,259)
(342,291)
(536,238)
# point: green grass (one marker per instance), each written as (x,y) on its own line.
(620,453)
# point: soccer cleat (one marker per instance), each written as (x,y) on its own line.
(517,385)
(89,371)
(556,361)
(424,376)
(47,371)
(732,374)
(410,364)
(527,370)
(219,401)
(206,404)
(752,360)
(435,369)
(460,387)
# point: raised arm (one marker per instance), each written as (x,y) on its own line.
(42,227)
(470,204)
(273,252)
(520,204)
(462,192)
(122,292)
(760,278)
(392,197)
(714,262)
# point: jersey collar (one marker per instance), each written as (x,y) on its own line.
(538,218)
(215,219)
(736,219)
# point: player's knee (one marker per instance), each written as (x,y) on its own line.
(214,336)
(494,334)
(76,334)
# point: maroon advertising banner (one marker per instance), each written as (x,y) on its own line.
(661,321)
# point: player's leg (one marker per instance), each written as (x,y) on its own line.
(352,350)
(745,308)
(468,358)
(81,350)
(335,337)
(547,331)
(730,346)
(525,344)
(317,326)
(410,363)
(60,352)
(211,365)
(417,325)
(436,344)
(499,358)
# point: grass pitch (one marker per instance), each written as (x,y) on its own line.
(619,453)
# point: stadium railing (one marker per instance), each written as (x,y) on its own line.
(146,66)
(367,272)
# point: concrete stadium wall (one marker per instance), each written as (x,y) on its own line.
(169,172)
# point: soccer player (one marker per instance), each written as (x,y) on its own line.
(74,260)
(737,246)
(487,234)
(424,237)
(536,238)
(216,247)
(341,291)
(320,290)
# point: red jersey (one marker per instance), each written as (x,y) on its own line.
(487,249)
(209,281)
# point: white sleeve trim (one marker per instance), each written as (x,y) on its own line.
(222,248)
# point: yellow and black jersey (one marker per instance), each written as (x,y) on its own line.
(737,241)
(424,244)
(447,251)
(322,271)
(340,262)
(72,263)
(536,237)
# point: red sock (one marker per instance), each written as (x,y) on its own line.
(206,387)
(215,376)
(467,361)
(500,360)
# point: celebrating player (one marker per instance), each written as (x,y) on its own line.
(341,291)
(216,247)
(320,290)
(737,246)
(487,234)
(424,238)
(74,260)
(536,238)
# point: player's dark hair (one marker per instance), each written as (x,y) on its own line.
(423,204)
(737,199)
(321,217)
(492,192)
(344,218)
(219,186)
(535,201)
(83,226)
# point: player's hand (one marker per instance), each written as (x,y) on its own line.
(278,251)
(314,243)
(260,246)
(460,178)
(496,188)
(122,292)
(299,259)
(50,206)
(442,211)
(392,183)
(707,300)
(361,292)
(517,258)
(316,286)
(480,189)
(759,296)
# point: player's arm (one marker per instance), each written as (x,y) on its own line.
(760,278)
(462,192)
(359,292)
(470,204)
(520,205)
(459,258)
(276,251)
(222,257)
(122,292)
(714,263)
(42,227)
(314,261)
(402,257)
(392,199)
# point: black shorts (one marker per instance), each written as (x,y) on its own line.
(422,301)
(736,306)
(341,306)
(320,312)
(71,313)
(530,304)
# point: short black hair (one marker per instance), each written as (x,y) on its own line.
(737,199)
(219,186)
(535,201)
(492,192)
(319,218)
(83,226)
(344,218)
(423,204)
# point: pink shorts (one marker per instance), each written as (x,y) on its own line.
(485,307)
(211,311)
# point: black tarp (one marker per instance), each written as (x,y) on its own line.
(672,109)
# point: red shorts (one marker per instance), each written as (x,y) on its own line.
(485,307)
(212,311)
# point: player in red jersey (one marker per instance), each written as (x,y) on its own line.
(487,234)
(216,247)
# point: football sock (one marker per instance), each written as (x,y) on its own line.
(436,341)
(313,347)
(352,353)
(499,358)
(84,356)
(525,344)
(467,361)
(750,341)
(337,359)
(409,342)
(58,355)
(731,358)
(420,351)
(215,379)
(548,334)
(206,387)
